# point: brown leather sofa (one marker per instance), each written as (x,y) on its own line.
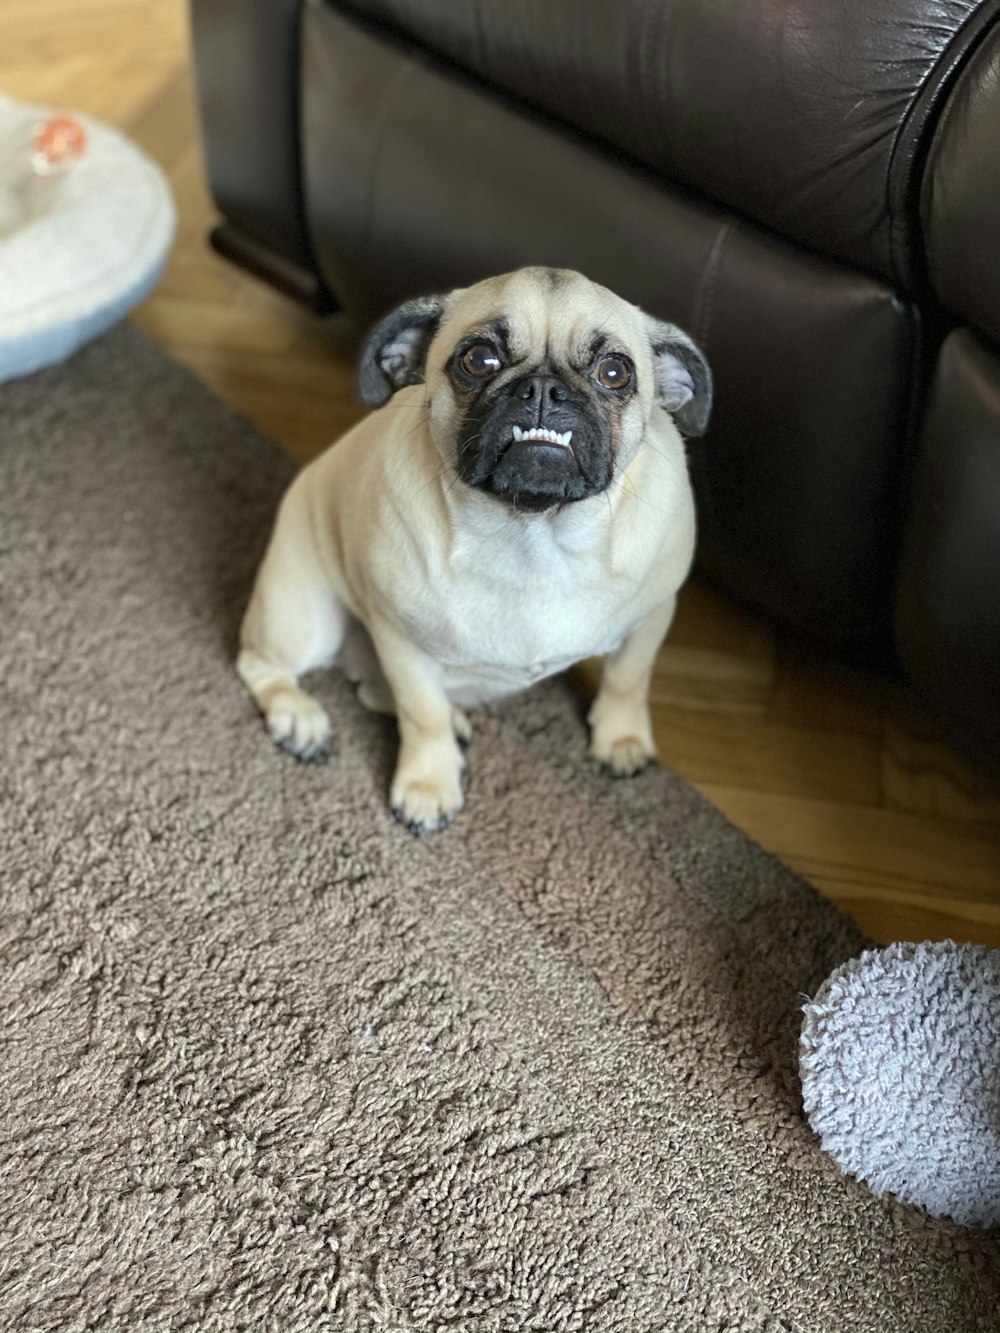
(811,188)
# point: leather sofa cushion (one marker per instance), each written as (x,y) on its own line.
(961,200)
(809,117)
(948,603)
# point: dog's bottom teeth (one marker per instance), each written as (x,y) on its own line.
(542,436)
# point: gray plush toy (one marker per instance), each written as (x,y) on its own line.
(900,1066)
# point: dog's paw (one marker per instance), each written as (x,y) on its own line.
(426,803)
(624,756)
(299,725)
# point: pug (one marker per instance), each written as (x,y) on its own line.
(517,501)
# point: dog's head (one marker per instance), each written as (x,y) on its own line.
(540,384)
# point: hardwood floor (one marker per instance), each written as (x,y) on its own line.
(839,773)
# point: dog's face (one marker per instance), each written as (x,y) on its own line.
(540,384)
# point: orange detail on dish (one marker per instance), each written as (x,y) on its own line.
(59,141)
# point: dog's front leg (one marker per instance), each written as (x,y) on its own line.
(621,728)
(426,789)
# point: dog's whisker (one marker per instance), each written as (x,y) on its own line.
(622,481)
(439,476)
(417,425)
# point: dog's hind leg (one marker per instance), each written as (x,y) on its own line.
(359,662)
(377,697)
(295,623)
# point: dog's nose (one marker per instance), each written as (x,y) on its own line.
(542,389)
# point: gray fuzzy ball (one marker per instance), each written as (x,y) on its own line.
(900,1066)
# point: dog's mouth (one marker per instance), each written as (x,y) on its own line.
(535,465)
(542,435)
(536,468)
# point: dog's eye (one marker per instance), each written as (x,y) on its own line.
(612,372)
(480,360)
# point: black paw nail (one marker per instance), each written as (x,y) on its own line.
(309,754)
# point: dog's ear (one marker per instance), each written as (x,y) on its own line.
(681,377)
(395,352)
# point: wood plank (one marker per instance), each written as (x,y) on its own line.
(707,619)
(886,915)
(867,846)
(741,750)
(812,689)
(166,125)
(923,773)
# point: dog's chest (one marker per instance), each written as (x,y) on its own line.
(506,615)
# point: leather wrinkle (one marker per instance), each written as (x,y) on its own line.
(704,298)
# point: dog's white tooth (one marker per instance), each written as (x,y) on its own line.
(518,433)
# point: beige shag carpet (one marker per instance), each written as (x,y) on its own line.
(271,1064)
